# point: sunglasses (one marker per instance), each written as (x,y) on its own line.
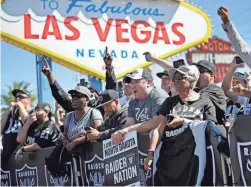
(21,97)
(78,95)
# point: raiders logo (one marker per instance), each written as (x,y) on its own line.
(27,176)
(145,175)
(94,171)
(65,180)
(5,178)
(244,156)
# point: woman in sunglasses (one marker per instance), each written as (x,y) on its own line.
(75,129)
(178,164)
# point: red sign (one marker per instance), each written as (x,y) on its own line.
(216,51)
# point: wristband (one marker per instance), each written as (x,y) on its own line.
(22,149)
(150,151)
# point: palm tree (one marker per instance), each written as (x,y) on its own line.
(7,97)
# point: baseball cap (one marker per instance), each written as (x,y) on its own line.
(43,106)
(14,92)
(161,74)
(190,71)
(107,96)
(126,78)
(140,74)
(83,90)
(240,76)
(206,64)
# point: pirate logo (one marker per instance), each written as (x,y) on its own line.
(145,175)
(5,178)
(244,156)
(94,171)
(131,159)
(27,176)
(65,180)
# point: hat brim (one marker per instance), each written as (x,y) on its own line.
(199,65)
(161,74)
(105,103)
(75,91)
(14,92)
(136,77)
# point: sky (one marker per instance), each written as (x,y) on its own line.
(19,65)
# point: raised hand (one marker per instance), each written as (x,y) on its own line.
(223,13)
(107,58)
(46,69)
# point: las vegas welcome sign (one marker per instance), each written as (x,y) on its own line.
(74,33)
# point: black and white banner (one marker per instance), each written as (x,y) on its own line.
(244,156)
(122,162)
(66,180)
(5,178)
(27,176)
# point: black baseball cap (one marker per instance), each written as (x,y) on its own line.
(140,74)
(126,78)
(43,106)
(207,65)
(14,92)
(161,74)
(107,96)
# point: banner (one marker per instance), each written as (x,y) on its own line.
(122,162)
(74,33)
(31,171)
(240,150)
(92,167)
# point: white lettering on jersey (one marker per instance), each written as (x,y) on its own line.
(176,131)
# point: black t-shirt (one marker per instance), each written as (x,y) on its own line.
(45,135)
(217,96)
(11,129)
(201,109)
(177,156)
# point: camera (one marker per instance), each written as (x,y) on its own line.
(238,60)
(178,63)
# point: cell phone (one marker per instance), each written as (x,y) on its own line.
(169,118)
(238,60)
(83,82)
(178,63)
(147,56)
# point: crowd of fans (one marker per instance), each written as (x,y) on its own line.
(188,93)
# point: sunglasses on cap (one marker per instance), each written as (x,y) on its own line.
(78,95)
(21,97)
(178,77)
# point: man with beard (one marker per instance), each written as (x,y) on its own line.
(115,116)
(12,122)
(38,131)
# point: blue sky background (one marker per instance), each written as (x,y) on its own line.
(18,64)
